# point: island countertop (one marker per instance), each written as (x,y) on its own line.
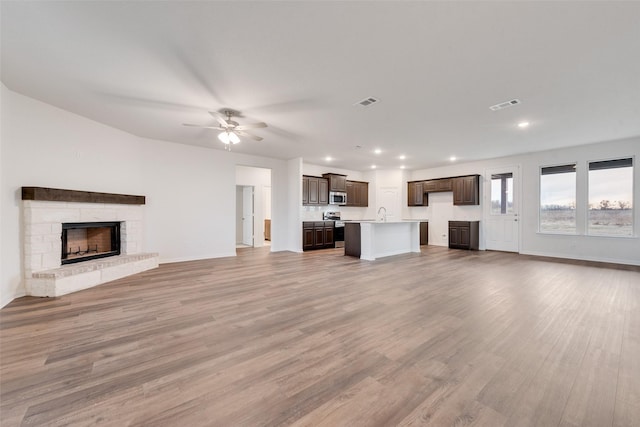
(373,221)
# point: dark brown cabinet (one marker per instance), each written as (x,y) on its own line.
(305,190)
(352,240)
(466,190)
(429,186)
(464,234)
(437,185)
(323,192)
(444,184)
(337,182)
(317,235)
(328,236)
(315,191)
(424,233)
(307,236)
(416,195)
(357,193)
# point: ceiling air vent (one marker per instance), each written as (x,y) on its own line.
(367,101)
(506,104)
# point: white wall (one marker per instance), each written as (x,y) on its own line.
(190,190)
(581,246)
(294,173)
(319,170)
(258,178)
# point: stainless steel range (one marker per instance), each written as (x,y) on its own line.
(338,230)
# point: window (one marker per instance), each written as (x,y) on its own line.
(502,194)
(611,198)
(558,199)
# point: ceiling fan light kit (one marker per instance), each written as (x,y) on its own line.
(228,137)
(231,130)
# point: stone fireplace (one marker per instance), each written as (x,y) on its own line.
(74,240)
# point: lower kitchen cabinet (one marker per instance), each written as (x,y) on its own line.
(317,235)
(464,234)
(424,233)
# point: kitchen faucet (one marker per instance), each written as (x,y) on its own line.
(384,215)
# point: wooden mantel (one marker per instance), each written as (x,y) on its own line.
(58,195)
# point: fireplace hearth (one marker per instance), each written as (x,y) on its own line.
(84,241)
(64,227)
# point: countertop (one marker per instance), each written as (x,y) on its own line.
(372,221)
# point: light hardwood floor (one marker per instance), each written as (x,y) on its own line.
(445,337)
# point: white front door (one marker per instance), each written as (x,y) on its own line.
(502,204)
(247,215)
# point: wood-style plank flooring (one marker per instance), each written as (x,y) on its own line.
(441,338)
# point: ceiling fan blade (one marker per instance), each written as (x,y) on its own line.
(203,127)
(251,126)
(248,135)
(219,118)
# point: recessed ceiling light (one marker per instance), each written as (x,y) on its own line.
(402,167)
(373,166)
(452,158)
(377,151)
(523,125)
(402,157)
(328,158)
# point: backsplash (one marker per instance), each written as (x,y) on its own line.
(314,213)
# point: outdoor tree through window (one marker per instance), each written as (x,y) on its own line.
(558,199)
(611,197)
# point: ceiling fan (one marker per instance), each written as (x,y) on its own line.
(231,130)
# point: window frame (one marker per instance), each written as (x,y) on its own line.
(503,193)
(634,233)
(576,166)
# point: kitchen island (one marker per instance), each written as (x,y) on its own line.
(370,240)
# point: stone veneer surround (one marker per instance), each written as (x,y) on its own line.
(42,224)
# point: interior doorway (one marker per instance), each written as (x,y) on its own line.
(253,207)
(244,216)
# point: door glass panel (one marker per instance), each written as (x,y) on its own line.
(502,194)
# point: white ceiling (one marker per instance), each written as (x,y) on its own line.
(148,67)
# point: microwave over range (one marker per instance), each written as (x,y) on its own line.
(337,198)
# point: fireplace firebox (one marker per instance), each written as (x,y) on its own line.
(83,241)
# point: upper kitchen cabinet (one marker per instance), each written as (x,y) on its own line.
(337,182)
(437,185)
(429,186)
(416,194)
(357,193)
(444,184)
(466,190)
(315,191)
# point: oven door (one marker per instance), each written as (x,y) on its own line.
(338,234)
